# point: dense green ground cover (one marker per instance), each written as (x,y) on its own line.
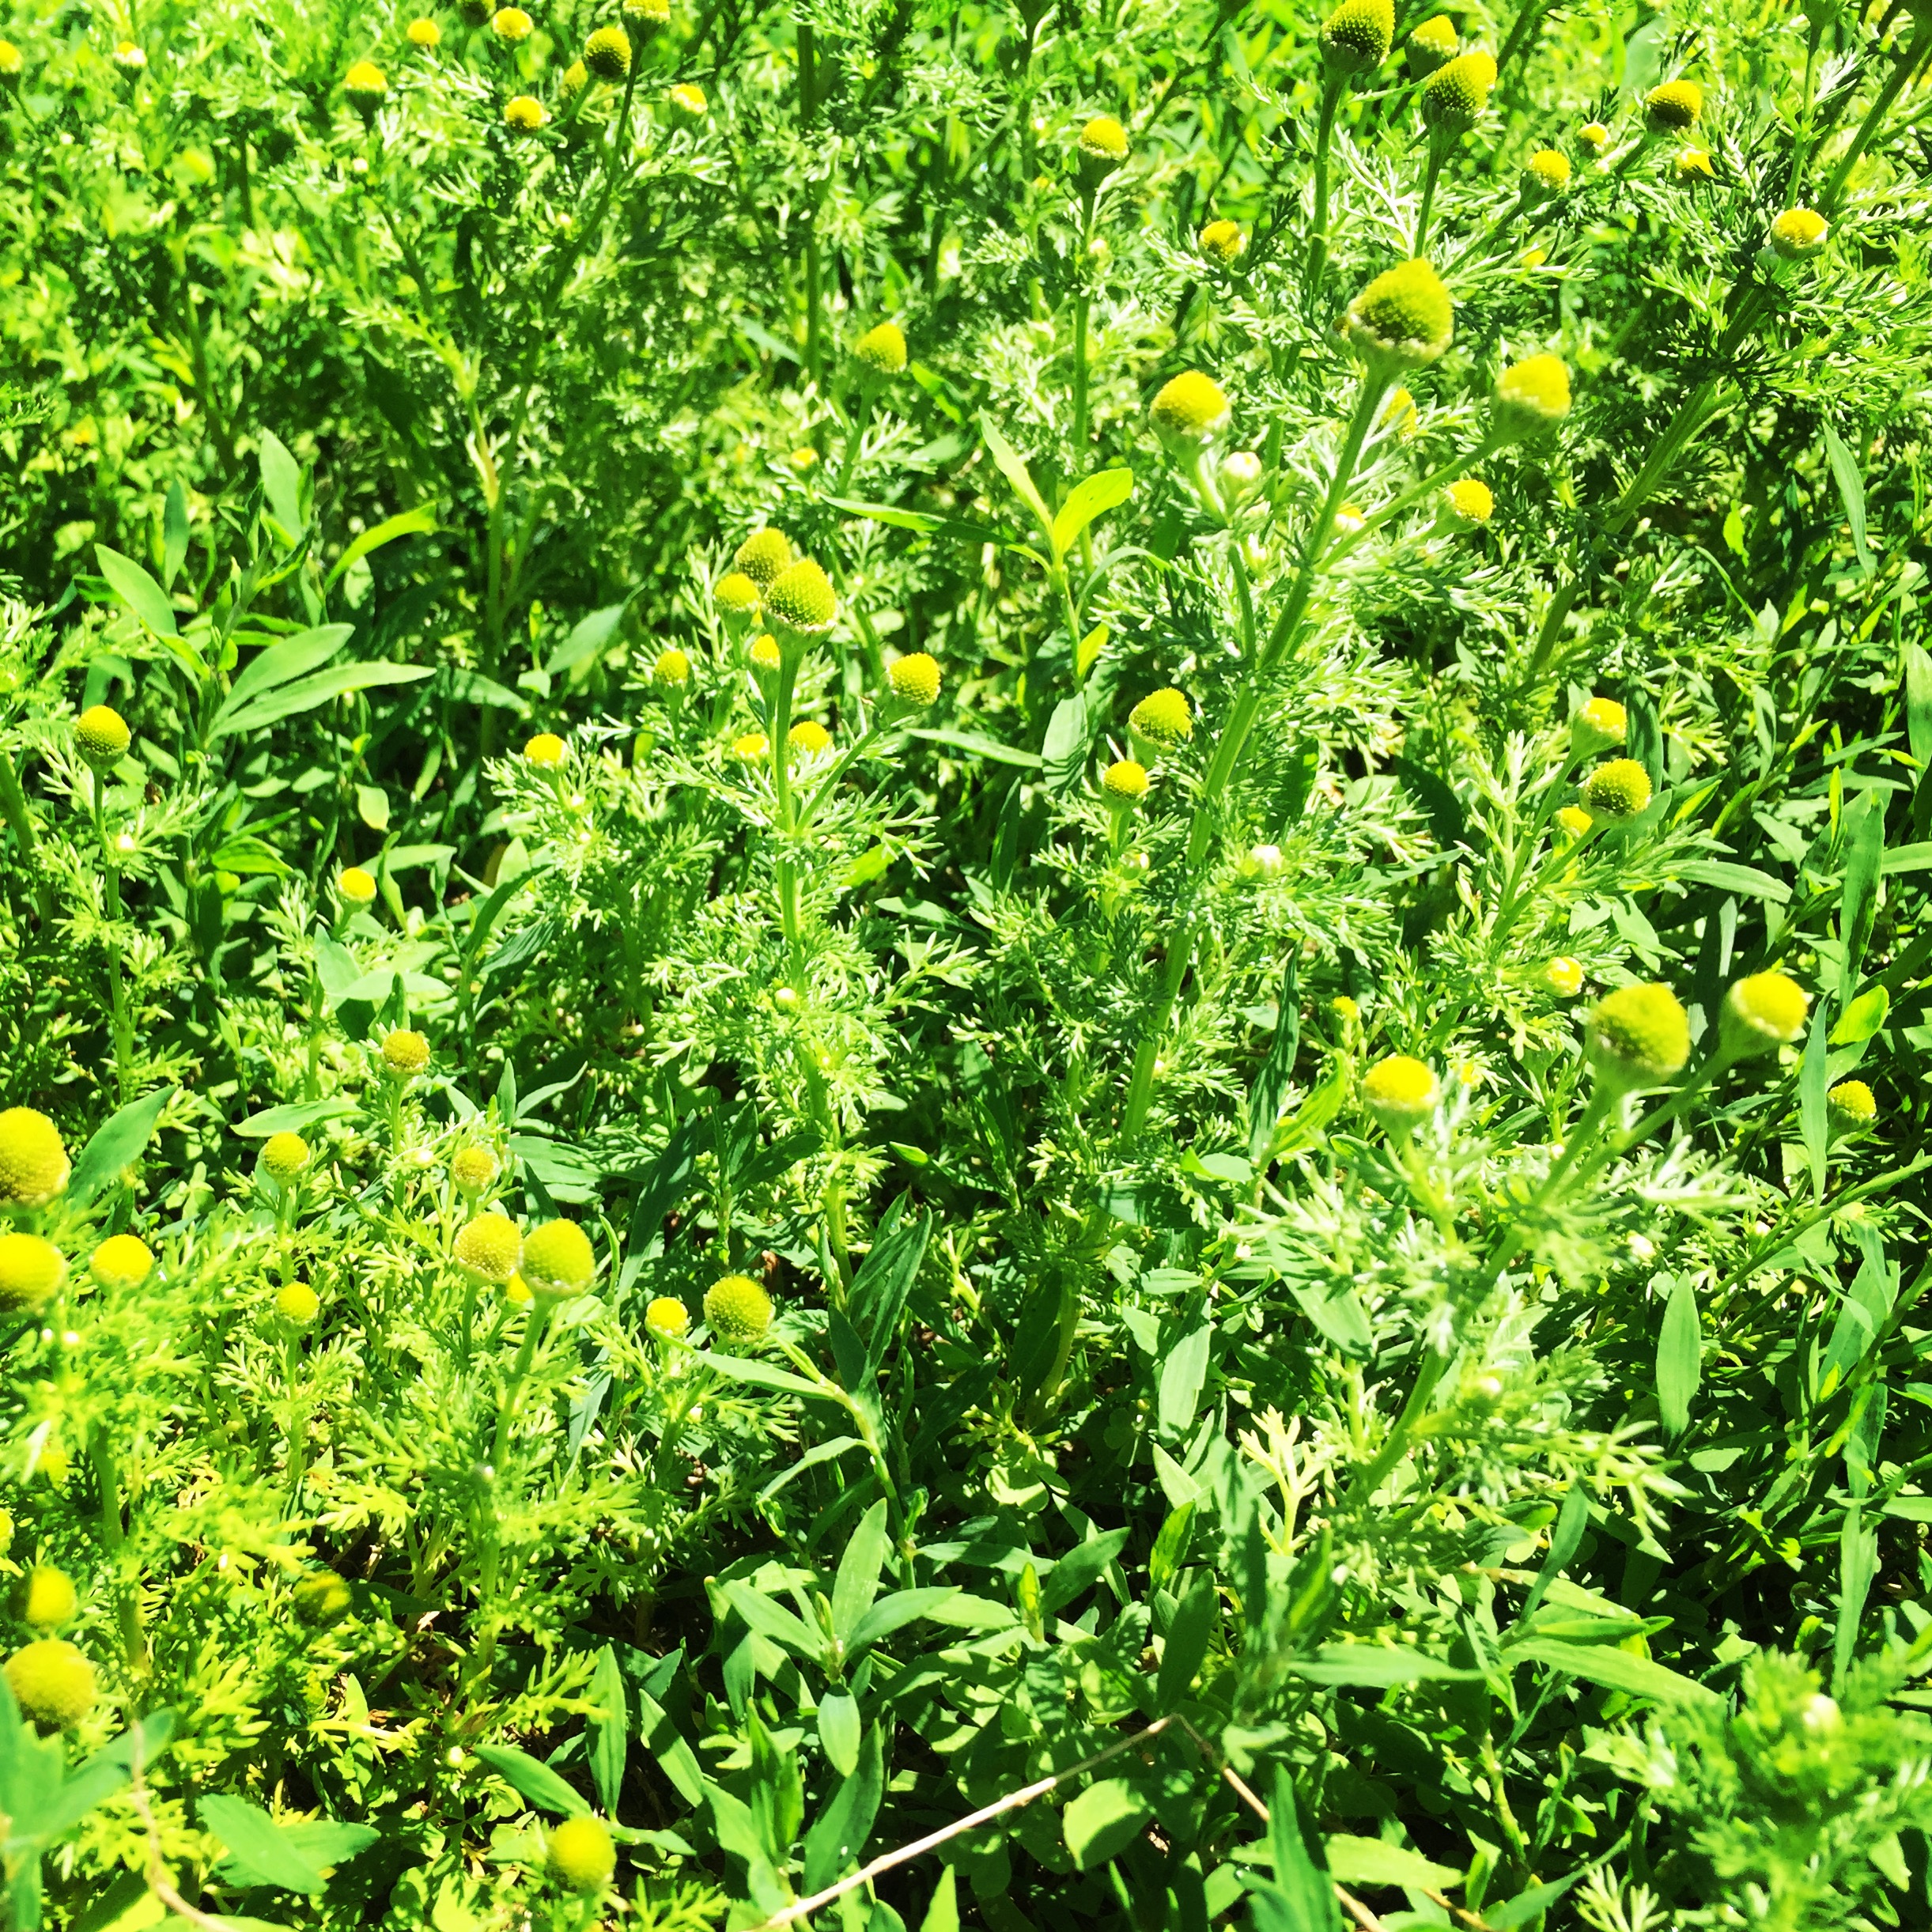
(1209,1101)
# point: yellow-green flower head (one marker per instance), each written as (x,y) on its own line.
(574,79)
(1189,412)
(581,1855)
(1103,143)
(1223,241)
(103,736)
(802,599)
(1344,1009)
(490,1247)
(1454,96)
(1399,413)
(1349,518)
(803,459)
(1470,500)
(1760,1013)
(1674,106)
(1638,1036)
(355,885)
(808,739)
(473,1169)
(881,351)
(607,53)
(1695,165)
(763,555)
(688,98)
(47,1597)
(524,114)
(1599,723)
(1547,171)
(545,748)
(651,13)
(558,1260)
(764,654)
(667,1315)
(52,1683)
(735,595)
(1851,1107)
(322,1599)
(671,669)
(1403,318)
(737,1309)
(1617,791)
(1125,781)
(1533,258)
(31,1269)
(1799,232)
(511,24)
(10,61)
(284,1156)
(1162,717)
(366,85)
(517,1292)
(424,35)
(1401,1093)
(1563,976)
(1574,820)
(132,58)
(915,678)
(121,1262)
(406,1053)
(1432,44)
(1594,135)
(751,747)
(1356,37)
(298,1305)
(1532,395)
(33,1164)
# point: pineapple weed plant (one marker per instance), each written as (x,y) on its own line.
(912,914)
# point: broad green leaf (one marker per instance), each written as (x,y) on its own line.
(588,637)
(1845,472)
(1013,466)
(901,1608)
(1188,1639)
(1616,1670)
(137,590)
(1270,1085)
(261,1848)
(1865,844)
(880,1290)
(373,807)
(1182,1374)
(666,1743)
(1376,1666)
(532,1778)
(117,1145)
(836,1840)
(1813,1117)
(840,1730)
(608,1729)
(294,1117)
(1079,1570)
(1303,1886)
(1064,755)
(1907,858)
(1565,1539)
(1103,1821)
(1858,1567)
(247,854)
(923,522)
(418,522)
(1863,1018)
(857,1581)
(1533,1904)
(763,1375)
(771,1620)
(1091,646)
(175,531)
(1354,1861)
(980,747)
(943,1914)
(306,692)
(1092,497)
(281,483)
(1679,1357)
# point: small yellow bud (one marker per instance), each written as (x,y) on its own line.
(1799,233)
(1599,723)
(405,1052)
(914,678)
(881,351)
(366,86)
(1694,165)
(1345,1009)
(524,114)
(284,1156)
(1356,37)
(607,53)
(31,1270)
(1190,411)
(1851,1107)
(33,1164)
(1164,718)
(671,668)
(1469,501)
(651,14)
(298,1305)
(1222,242)
(1638,1036)
(764,654)
(1574,820)
(545,748)
(688,98)
(737,1309)
(1761,1012)
(511,24)
(121,1263)
(1617,791)
(1674,106)
(808,739)
(1399,413)
(10,61)
(489,1247)
(1349,518)
(1547,171)
(802,600)
(1103,145)
(751,747)
(517,1292)
(1533,258)
(1532,395)
(803,459)
(424,35)
(322,1599)
(762,555)
(103,736)
(1454,96)
(1401,1093)
(131,59)
(581,1855)
(1432,45)
(558,1260)
(1125,781)
(356,886)
(52,1683)
(1403,318)
(473,1169)
(1594,135)
(573,79)
(1563,976)
(47,1598)
(666,1316)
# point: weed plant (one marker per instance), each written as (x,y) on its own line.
(965,966)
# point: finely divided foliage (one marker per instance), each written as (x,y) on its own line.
(964,965)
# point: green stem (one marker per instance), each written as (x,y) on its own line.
(117,993)
(533,1323)
(1438,154)
(298,1424)
(127,1601)
(1920,45)
(807,111)
(1318,222)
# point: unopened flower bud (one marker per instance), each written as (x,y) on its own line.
(1125,781)
(1188,413)
(1433,44)
(1356,37)
(1617,791)
(737,1309)
(1401,1092)
(1403,318)
(1599,723)
(914,678)
(1454,96)
(1222,242)
(1532,395)
(1799,233)
(102,736)
(1851,1107)
(1638,1036)
(1674,106)
(1761,1013)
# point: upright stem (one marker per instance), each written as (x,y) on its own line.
(1318,225)
(1908,64)
(117,993)
(1437,152)
(519,1371)
(128,1602)
(807,112)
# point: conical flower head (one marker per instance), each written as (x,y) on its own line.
(1403,318)
(764,654)
(651,13)
(1469,501)
(103,736)
(1124,781)
(1356,37)
(915,678)
(737,1309)
(1594,136)
(668,1316)
(607,53)
(1599,723)
(1454,96)
(544,748)
(322,1599)
(47,1597)
(672,669)
(1617,791)
(1532,395)
(1674,106)
(1799,233)
(406,1053)
(1562,976)
(1401,1092)
(425,36)
(298,1305)
(1103,146)
(31,1270)
(52,1683)
(33,1164)
(1546,172)
(356,885)
(581,1856)
(1760,1013)
(809,740)
(1640,1036)
(472,1169)
(1164,718)
(1222,242)
(881,351)
(524,114)
(735,595)
(1431,45)
(688,98)
(511,24)
(489,1247)
(1188,413)
(1851,1107)
(801,599)
(121,1263)
(762,555)
(284,1156)
(366,86)
(558,1260)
